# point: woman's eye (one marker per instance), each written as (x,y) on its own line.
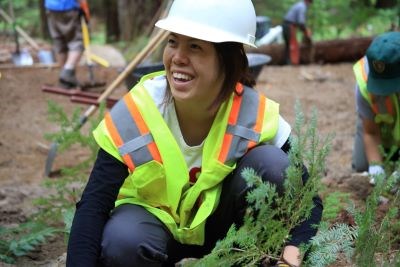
(195,46)
(171,41)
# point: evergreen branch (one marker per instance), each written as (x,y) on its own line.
(327,245)
(271,217)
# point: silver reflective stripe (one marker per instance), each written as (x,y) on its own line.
(134,144)
(248,108)
(366,66)
(243,130)
(124,122)
(141,156)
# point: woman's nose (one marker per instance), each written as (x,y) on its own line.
(180,57)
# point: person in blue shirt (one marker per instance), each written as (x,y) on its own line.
(63,18)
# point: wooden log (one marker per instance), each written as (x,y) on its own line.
(331,51)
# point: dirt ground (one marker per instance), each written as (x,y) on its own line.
(24,121)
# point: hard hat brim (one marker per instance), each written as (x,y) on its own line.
(201,31)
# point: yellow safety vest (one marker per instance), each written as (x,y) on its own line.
(387,115)
(135,133)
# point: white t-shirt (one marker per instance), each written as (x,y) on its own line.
(156,88)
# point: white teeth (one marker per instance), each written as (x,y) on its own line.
(181,76)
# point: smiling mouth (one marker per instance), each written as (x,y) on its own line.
(181,77)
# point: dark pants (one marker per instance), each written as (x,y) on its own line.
(135,237)
(292,48)
(359,162)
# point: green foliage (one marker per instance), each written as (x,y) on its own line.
(344,19)
(372,241)
(65,191)
(20,240)
(335,19)
(68,218)
(333,204)
(270,216)
(26,13)
(69,133)
(130,50)
(329,242)
(328,19)
(378,235)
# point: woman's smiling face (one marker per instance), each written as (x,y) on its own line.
(193,69)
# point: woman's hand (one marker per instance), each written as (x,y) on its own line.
(291,256)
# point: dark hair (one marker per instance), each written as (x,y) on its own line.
(235,65)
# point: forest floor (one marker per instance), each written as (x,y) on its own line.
(24,122)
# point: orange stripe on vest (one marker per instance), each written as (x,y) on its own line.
(237,100)
(259,122)
(363,71)
(117,140)
(142,126)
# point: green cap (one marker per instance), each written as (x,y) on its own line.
(384,64)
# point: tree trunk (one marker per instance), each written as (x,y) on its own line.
(385,3)
(43,21)
(134,17)
(112,27)
(332,51)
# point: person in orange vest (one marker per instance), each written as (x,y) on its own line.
(294,19)
(377,98)
(167,182)
(64,23)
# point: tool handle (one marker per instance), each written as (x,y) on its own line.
(86,40)
(8,19)
(152,44)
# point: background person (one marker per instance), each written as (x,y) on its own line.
(294,19)
(64,22)
(377,101)
(172,150)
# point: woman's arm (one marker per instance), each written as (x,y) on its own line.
(372,141)
(92,211)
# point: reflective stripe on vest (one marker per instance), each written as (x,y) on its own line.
(244,124)
(136,145)
(384,112)
(131,134)
(361,70)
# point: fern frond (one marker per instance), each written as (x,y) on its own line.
(22,239)
(31,240)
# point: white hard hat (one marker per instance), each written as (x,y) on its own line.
(212,20)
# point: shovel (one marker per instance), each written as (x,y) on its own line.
(152,44)
(45,56)
(89,56)
(19,58)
